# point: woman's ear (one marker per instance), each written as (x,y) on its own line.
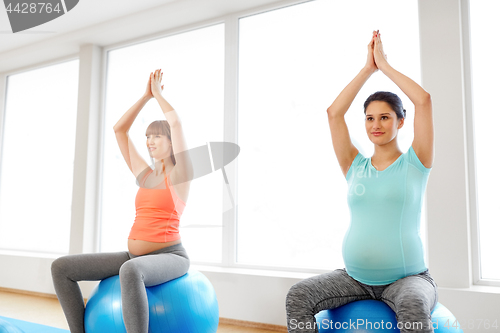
(401,122)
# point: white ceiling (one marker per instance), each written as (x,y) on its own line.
(108,22)
(85,13)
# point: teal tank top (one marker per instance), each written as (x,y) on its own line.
(383,243)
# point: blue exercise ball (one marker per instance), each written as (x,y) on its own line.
(374,316)
(6,327)
(187,304)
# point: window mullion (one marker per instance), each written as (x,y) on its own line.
(230,135)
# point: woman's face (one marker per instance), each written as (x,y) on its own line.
(159,146)
(381,123)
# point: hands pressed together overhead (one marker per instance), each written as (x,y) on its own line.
(376,59)
(154,86)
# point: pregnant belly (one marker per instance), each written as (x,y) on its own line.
(382,255)
(139,247)
(364,251)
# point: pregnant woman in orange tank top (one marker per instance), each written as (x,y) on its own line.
(164,138)
(155,254)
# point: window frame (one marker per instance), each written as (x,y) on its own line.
(231,53)
(103,82)
(470,145)
(3,108)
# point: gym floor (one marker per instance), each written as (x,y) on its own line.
(47,311)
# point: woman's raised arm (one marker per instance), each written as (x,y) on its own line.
(423,141)
(133,159)
(183,169)
(344,149)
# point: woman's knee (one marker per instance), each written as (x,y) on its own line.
(298,294)
(130,270)
(179,262)
(60,266)
(296,290)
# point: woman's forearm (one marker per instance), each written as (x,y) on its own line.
(168,110)
(413,90)
(126,121)
(344,100)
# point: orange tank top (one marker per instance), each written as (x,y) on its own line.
(158,212)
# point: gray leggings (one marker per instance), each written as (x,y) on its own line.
(136,273)
(412,298)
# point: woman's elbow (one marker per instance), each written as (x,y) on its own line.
(425,99)
(332,112)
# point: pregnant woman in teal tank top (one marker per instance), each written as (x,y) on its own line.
(382,249)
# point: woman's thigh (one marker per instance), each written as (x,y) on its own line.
(326,291)
(414,294)
(156,268)
(90,266)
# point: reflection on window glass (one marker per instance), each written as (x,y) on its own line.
(193,76)
(36,169)
(292,207)
(484,54)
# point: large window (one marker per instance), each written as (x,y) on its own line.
(36,168)
(292,209)
(485,87)
(193,67)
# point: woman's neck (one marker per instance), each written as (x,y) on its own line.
(387,152)
(166,162)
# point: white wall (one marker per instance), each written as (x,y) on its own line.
(260,296)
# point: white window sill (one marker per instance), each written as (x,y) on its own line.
(252,271)
(30,254)
(198,267)
(476,288)
(246,271)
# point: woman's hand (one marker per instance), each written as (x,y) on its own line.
(370,61)
(378,53)
(156,86)
(148,94)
